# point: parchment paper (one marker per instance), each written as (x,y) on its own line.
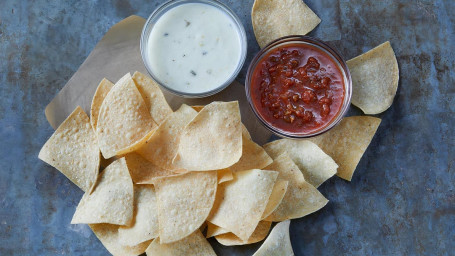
(117,53)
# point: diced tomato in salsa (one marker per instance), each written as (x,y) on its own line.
(297,88)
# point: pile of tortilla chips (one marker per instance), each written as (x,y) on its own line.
(170,174)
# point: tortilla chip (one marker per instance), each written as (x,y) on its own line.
(214,230)
(212,140)
(163,145)
(153,97)
(123,118)
(103,89)
(301,198)
(109,237)
(315,165)
(278,243)
(198,107)
(347,142)
(240,202)
(253,157)
(184,202)
(111,200)
(278,192)
(143,171)
(245,131)
(224,175)
(258,235)
(375,77)
(194,244)
(274,19)
(138,144)
(73,150)
(145,222)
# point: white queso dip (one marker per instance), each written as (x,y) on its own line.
(194,48)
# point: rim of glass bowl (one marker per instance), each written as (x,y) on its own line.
(158,12)
(336,57)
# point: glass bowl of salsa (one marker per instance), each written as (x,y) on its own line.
(298,87)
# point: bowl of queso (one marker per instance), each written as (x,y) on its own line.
(298,87)
(193,48)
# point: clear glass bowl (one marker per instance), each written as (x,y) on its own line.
(336,58)
(174,3)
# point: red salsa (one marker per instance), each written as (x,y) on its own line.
(297,88)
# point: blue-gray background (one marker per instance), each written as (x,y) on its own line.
(401,200)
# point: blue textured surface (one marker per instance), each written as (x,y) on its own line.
(401,200)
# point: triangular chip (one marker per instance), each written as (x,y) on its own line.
(214,230)
(194,244)
(212,140)
(253,157)
(101,91)
(278,192)
(240,202)
(136,145)
(184,202)
(245,131)
(143,171)
(261,231)
(315,165)
(375,77)
(274,19)
(301,198)
(153,97)
(73,150)
(347,142)
(109,237)
(163,145)
(145,221)
(111,200)
(123,118)
(278,243)
(224,175)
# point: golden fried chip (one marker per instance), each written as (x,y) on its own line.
(315,165)
(103,89)
(194,244)
(224,175)
(245,131)
(375,77)
(347,142)
(145,221)
(112,198)
(240,202)
(184,202)
(253,157)
(109,237)
(198,107)
(123,118)
(73,150)
(278,243)
(212,140)
(301,198)
(143,171)
(138,144)
(153,97)
(258,235)
(163,145)
(274,19)
(278,192)
(214,230)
